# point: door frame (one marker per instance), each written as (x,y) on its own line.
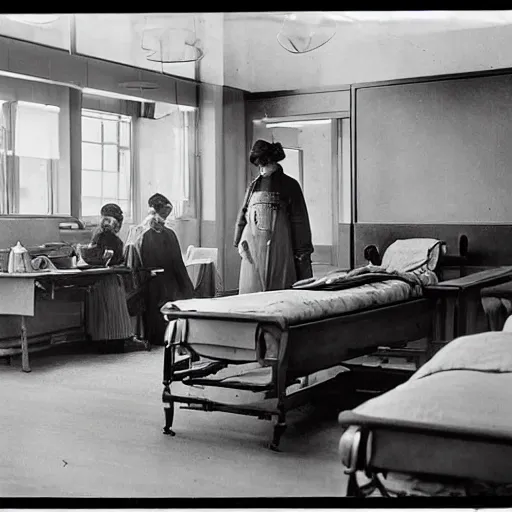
(337,164)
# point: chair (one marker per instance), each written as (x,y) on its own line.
(202,267)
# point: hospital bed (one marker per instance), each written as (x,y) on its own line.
(447,431)
(274,351)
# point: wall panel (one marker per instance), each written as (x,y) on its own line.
(435,152)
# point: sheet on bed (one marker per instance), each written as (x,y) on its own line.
(452,420)
(253,373)
(300,305)
(465,385)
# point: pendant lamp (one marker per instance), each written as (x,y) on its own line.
(33,19)
(305,32)
(170,40)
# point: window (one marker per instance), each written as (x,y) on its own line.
(29,157)
(166,159)
(106,163)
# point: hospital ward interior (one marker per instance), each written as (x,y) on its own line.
(256,254)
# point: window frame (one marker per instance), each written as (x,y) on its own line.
(189,122)
(93,220)
(299,152)
(12,162)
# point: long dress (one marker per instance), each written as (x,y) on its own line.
(273,235)
(154,245)
(108,320)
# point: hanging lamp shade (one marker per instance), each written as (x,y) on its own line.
(171,40)
(33,19)
(305,32)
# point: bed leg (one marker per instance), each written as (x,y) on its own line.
(279,429)
(169,418)
(352,487)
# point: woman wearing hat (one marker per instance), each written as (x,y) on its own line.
(154,245)
(109,323)
(273,233)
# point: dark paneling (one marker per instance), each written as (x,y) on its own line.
(435,78)
(50,316)
(234,165)
(114,105)
(345,245)
(75,236)
(299,104)
(435,152)
(58,65)
(322,254)
(30,231)
(75,148)
(293,92)
(489,245)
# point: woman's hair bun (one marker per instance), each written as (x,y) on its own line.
(278,152)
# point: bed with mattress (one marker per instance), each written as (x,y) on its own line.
(447,431)
(266,353)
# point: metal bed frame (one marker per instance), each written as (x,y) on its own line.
(440,315)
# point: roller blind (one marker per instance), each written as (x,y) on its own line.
(37,131)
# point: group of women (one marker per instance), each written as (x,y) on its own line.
(272,234)
(151,245)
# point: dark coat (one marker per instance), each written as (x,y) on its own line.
(291,193)
(109,240)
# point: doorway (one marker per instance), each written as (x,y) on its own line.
(313,149)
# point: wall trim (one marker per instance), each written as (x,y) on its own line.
(237,89)
(295,92)
(434,78)
(424,223)
(64,56)
(353,172)
(91,57)
(73,53)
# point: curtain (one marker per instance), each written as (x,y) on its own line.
(180,166)
(4,200)
(8,170)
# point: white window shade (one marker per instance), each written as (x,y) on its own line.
(37,131)
(179,192)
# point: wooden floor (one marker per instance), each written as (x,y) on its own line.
(85,424)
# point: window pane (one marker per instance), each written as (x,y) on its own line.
(124,186)
(34,186)
(124,135)
(125,206)
(91,206)
(124,161)
(91,129)
(110,131)
(91,156)
(110,184)
(107,200)
(110,158)
(91,183)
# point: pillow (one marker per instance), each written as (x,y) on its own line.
(413,254)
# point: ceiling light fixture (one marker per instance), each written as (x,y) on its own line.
(171,40)
(306,31)
(296,124)
(33,19)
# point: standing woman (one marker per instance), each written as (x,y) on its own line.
(154,245)
(109,323)
(273,233)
